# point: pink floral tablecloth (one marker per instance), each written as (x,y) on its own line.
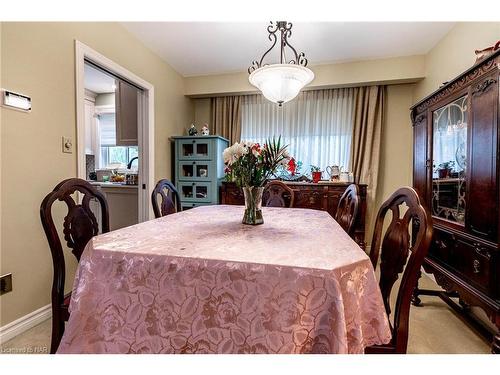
(201,282)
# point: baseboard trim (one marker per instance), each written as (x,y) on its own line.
(24,323)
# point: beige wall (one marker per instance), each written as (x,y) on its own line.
(38,60)
(455,54)
(356,73)
(202,113)
(396,146)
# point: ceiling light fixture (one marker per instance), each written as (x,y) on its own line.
(281,82)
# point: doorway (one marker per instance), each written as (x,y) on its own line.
(109,143)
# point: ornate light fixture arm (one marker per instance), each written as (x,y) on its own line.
(285,29)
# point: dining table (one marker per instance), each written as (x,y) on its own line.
(200,281)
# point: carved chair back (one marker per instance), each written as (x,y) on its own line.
(80,225)
(348,209)
(170,201)
(277,194)
(400,253)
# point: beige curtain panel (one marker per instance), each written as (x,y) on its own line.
(226,117)
(369,107)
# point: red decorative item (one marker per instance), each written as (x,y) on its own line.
(292,166)
(316,176)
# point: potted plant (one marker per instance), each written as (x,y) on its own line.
(444,169)
(316,173)
(250,166)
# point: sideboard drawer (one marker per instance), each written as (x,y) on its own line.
(472,259)
(475,261)
(442,246)
(314,197)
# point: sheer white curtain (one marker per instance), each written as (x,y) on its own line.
(317,125)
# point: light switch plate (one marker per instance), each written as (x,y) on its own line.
(67,145)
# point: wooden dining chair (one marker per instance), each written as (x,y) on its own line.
(79,226)
(170,201)
(277,194)
(348,209)
(400,253)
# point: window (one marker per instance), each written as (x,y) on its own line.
(317,125)
(109,152)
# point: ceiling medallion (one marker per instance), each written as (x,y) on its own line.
(281,82)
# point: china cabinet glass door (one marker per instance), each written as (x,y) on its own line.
(450,161)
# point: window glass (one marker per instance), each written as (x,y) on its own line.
(317,125)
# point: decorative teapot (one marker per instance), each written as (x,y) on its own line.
(334,172)
(346,176)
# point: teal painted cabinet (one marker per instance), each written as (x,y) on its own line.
(199,169)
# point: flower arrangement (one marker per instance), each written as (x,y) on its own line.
(250,164)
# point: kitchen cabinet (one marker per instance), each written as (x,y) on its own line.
(122,204)
(126,102)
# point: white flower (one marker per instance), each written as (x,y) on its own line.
(227,156)
(233,153)
(239,150)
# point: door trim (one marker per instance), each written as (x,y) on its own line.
(146,114)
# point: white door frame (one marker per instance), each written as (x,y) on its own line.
(145,132)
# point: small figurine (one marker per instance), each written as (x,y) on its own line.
(205,130)
(192,130)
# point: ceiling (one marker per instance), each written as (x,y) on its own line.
(200,48)
(98,81)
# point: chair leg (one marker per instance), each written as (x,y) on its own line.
(415,300)
(57,331)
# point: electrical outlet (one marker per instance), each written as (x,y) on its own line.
(67,145)
(5,283)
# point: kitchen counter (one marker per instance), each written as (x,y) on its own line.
(113,185)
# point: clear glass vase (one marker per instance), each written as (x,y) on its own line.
(253,205)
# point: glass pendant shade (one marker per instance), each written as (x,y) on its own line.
(280,83)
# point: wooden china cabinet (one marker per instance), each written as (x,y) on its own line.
(456,172)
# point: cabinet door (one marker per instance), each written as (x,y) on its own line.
(200,149)
(483,203)
(420,157)
(450,133)
(195,191)
(195,170)
(126,114)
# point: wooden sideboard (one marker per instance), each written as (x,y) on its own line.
(321,196)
